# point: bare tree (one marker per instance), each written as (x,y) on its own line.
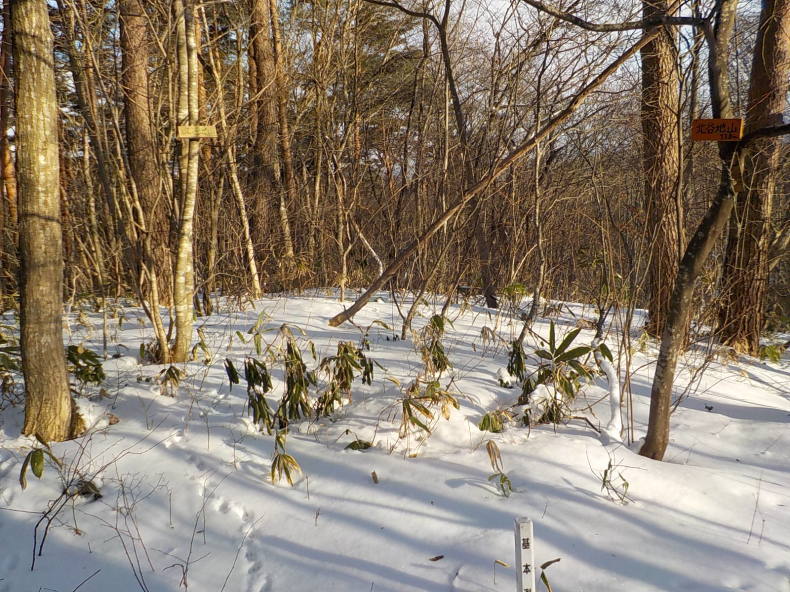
(673,337)
(499,168)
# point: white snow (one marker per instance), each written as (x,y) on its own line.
(187,502)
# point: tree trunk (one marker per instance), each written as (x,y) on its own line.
(746,265)
(184,271)
(140,143)
(661,165)
(8,207)
(150,234)
(679,313)
(266,166)
(233,174)
(287,195)
(6,161)
(48,403)
(674,334)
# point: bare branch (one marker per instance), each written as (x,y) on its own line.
(402,8)
(662,20)
(766,132)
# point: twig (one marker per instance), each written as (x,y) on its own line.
(86,579)
(754,514)
(238,550)
(589,423)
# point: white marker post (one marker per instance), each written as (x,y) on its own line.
(525,556)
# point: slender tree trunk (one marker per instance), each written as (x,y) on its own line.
(287,198)
(49,409)
(661,165)
(184,271)
(211,250)
(93,222)
(233,174)
(679,313)
(8,197)
(6,161)
(746,265)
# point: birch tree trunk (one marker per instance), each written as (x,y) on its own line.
(184,271)
(49,409)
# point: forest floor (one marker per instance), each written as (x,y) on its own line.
(187,501)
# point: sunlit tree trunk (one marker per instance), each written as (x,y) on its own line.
(701,244)
(661,165)
(233,174)
(184,270)
(141,145)
(288,197)
(266,177)
(6,160)
(746,265)
(150,232)
(49,410)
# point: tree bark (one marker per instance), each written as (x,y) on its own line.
(288,196)
(266,179)
(6,161)
(184,271)
(8,207)
(680,306)
(150,235)
(140,142)
(661,164)
(679,313)
(48,403)
(746,266)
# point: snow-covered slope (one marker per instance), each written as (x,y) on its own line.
(187,501)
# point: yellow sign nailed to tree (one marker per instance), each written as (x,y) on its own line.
(186,132)
(717,130)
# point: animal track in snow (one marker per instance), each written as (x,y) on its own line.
(7,565)
(7,494)
(175,438)
(197,461)
(257,581)
(230,507)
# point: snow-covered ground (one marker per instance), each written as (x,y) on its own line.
(187,501)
